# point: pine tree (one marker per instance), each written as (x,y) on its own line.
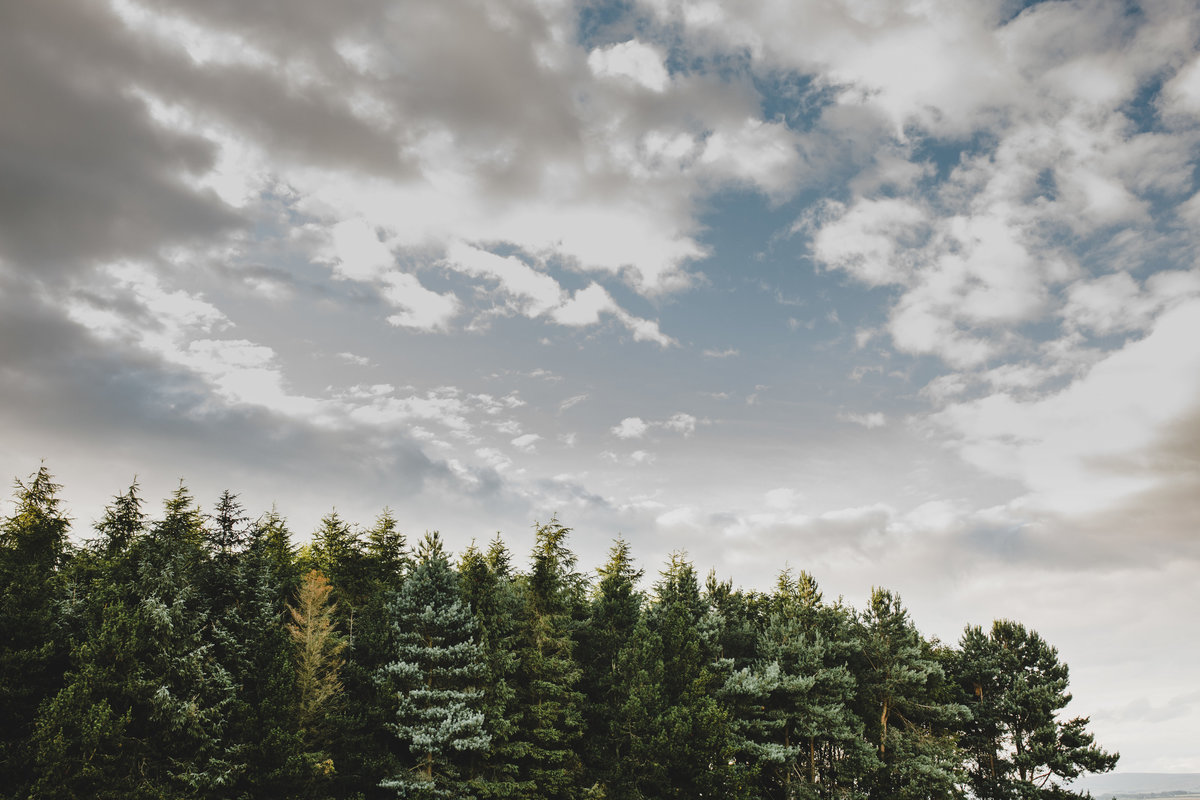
(548,676)
(262,738)
(436,674)
(794,695)
(900,682)
(698,763)
(86,744)
(616,607)
(1015,687)
(33,646)
(488,588)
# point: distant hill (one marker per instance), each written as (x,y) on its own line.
(1131,785)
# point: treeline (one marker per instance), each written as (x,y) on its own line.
(202,655)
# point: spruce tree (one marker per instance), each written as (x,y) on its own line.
(488,588)
(615,608)
(698,762)
(33,645)
(547,675)
(436,677)
(83,744)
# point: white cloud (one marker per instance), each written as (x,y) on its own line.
(728,352)
(571,402)
(870,240)
(536,292)
(356,252)
(636,427)
(640,63)
(631,428)
(761,154)
(420,308)
(1091,444)
(874,419)
(586,305)
(526,442)
(1117,304)
(681,423)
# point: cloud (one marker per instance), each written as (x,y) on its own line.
(681,423)
(874,419)
(526,442)
(1094,441)
(586,305)
(535,292)
(636,427)
(571,402)
(630,428)
(640,63)
(420,308)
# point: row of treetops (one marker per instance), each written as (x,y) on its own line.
(200,655)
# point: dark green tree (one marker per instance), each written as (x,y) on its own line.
(699,761)
(547,679)
(795,698)
(914,730)
(489,589)
(1017,746)
(33,644)
(615,608)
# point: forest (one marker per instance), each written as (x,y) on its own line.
(202,654)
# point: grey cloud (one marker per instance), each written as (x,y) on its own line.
(85,174)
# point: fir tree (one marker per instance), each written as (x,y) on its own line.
(435,675)
(488,588)
(616,607)
(33,645)
(698,762)
(548,676)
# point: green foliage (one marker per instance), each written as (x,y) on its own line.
(1016,745)
(436,677)
(162,660)
(33,646)
(547,676)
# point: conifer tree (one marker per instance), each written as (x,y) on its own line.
(33,646)
(616,607)
(190,691)
(698,763)
(146,704)
(488,588)
(262,737)
(900,683)
(318,649)
(436,676)
(365,743)
(548,675)
(795,696)
(1015,687)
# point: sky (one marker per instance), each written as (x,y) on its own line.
(903,294)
